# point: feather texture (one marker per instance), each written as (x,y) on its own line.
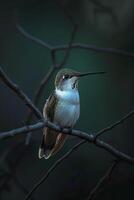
(62,108)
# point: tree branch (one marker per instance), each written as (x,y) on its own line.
(21,186)
(69,46)
(101,183)
(22,130)
(66,12)
(95,48)
(15,88)
(120,121)
(90,47)
(11,173)
(33,38)
(89,138)
(37,95)
(52,168)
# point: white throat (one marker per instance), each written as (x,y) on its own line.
(68,107)
(68,96)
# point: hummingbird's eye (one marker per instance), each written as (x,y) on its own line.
(65,76)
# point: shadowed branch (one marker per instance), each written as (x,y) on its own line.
(103,181)
(15,88)
(52,168)
(82,46)
(88,137)
(33,38)
(120,121)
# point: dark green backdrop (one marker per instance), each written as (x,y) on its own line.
(104,99)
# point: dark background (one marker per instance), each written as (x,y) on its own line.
(104,98)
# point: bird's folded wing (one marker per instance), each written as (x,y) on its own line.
(49,108)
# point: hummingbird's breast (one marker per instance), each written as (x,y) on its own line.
(68,108)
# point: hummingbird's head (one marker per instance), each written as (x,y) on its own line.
(67,79)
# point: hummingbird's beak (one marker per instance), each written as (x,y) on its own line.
(89,73)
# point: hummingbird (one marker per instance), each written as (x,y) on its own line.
(62,108)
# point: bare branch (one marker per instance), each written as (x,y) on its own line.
(40,90)
(95,48)
(37,95)
(101,183)
(52,168)
(89,138)
(66,12)
(42,85)
(20,93)
(21,186)
(124,118)
(33,38)
(69,47)
(91,47)
(11,173)
(22,130)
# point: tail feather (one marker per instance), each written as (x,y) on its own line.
(44,154)
(47,143)
(45,149)
(51,143)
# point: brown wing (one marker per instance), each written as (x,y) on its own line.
(49,108)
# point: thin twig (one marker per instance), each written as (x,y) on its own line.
(22,130)
(69,46)
(83,46)
(11,173)
(52,168)
(42,85)
(21,186)
(33,38)
(101,183)
(36,98)
(66,12)
(15,88)
(124,118)
(95,48)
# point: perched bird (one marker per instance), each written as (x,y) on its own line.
(62,108)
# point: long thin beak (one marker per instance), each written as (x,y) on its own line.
(89,73)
